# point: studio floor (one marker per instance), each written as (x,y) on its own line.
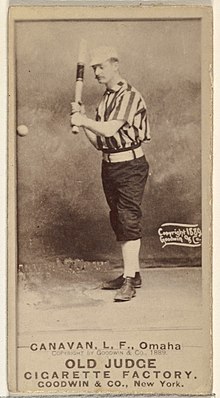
(170,298)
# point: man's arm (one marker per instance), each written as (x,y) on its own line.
(103,129)
(91,137)
(78,107)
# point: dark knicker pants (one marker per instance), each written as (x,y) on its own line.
(124,184)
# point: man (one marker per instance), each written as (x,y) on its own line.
(120,127)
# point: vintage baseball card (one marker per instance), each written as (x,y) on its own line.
(109,200)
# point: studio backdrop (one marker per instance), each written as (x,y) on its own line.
(61,205)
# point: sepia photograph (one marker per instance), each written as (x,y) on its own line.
(110,133)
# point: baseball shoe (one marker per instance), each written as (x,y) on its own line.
(127,291)
(118,282)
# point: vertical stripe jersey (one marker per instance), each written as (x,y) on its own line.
(123,102)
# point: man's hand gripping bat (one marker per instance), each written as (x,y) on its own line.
(80,76)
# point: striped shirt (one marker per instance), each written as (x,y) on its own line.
(123,102)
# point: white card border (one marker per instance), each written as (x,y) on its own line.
(216,202)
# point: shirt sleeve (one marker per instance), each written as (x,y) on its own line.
(127,107)
(97,116)
(141,121)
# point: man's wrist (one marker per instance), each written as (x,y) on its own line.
(85,121)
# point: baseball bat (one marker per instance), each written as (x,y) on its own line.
(80,76)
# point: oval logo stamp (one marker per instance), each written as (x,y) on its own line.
(180,234)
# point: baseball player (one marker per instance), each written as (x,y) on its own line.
(120,127)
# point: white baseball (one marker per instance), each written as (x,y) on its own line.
(22,130)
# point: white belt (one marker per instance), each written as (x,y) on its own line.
(123,156)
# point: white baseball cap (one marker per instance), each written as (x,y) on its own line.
(101,54)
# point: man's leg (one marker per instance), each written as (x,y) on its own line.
(124,191)
(130,254)
(130,190)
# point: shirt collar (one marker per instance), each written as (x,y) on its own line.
(116,87)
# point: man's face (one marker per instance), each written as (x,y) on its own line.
(105,72)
